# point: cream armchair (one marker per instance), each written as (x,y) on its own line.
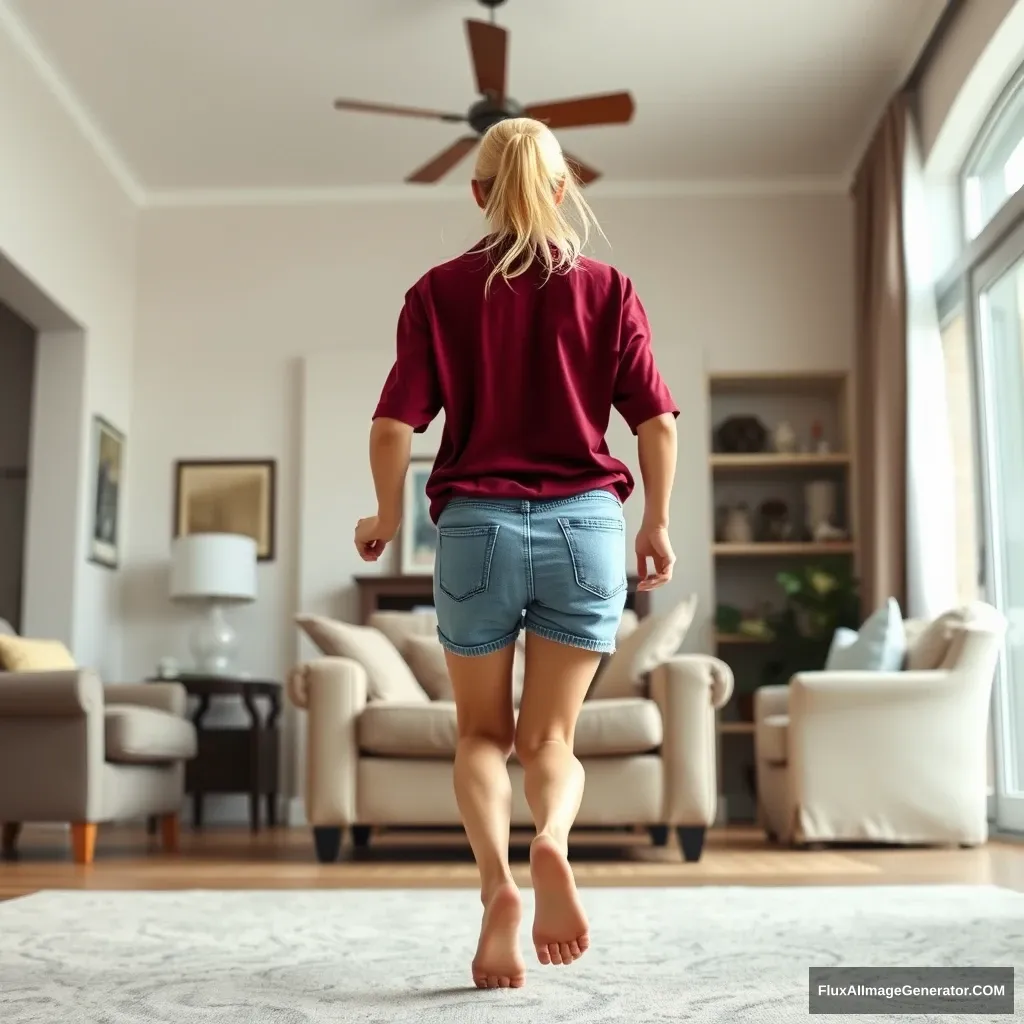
(649,760)
(884,757)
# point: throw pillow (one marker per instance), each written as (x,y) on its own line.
(20,655)
(880,645)
(425,656)
(927,651)
(653,642)
(388,676)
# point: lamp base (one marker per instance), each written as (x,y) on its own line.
(214,643)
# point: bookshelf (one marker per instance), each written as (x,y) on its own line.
(814,453)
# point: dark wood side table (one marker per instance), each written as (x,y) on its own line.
(235,760)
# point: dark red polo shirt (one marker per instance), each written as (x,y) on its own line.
(527,377)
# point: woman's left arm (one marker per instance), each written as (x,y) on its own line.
(390,448)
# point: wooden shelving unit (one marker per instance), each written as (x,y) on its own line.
(745,574)
(794,549)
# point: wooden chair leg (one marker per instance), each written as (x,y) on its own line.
(83,841)
(170,832)
(9,841)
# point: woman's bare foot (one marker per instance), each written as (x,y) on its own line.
(498,962)
(560,929)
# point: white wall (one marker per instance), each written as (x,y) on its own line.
(257,325)
(68,226)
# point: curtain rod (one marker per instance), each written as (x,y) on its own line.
(938,35)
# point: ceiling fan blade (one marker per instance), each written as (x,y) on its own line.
(488,46)
(585,174)
(444,161)
(611,108)
(387,108)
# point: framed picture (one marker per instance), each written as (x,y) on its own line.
(107,475)
(227,496)
(419,535)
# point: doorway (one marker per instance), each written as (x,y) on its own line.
(17,377)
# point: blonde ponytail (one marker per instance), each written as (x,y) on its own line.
(530,198)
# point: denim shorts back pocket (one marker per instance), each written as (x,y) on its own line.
(464,559)
(597,548)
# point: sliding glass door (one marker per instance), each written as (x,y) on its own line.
(998,292)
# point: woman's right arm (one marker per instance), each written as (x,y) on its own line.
(656,446)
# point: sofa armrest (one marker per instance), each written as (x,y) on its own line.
(66,694)
(333,693)
(915,742)
(687,690)
(51,746)
(170,697)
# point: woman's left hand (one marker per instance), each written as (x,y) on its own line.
(372,537)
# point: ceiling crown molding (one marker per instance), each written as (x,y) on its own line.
(278,197)
(66,98)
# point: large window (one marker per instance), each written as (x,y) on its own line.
(983,345)
(996,170)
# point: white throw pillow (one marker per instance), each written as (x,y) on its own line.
(388,676)
(880,645)
(656,639)
(425,656)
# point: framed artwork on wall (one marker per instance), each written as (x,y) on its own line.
(227,496)
(418,538)
(107,478)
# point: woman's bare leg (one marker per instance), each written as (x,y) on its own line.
(557,680)
(483,696)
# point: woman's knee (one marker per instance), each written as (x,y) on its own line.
(528,743)
(500,736)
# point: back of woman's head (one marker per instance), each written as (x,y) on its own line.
(533,203)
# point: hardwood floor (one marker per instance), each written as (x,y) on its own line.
(283,859)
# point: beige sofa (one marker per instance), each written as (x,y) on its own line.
(75,751)
(650,760)
(884,757)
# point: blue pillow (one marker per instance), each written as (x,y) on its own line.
(879,646)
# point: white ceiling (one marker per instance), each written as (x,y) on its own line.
(236,94)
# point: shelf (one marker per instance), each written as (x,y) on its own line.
(731,639)
(774,460)
(736,728)
(798,549)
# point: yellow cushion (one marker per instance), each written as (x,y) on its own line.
(20,655)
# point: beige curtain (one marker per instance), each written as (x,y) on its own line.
(881,362)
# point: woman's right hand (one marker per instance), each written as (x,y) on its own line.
(652,543)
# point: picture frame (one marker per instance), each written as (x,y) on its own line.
(418,536)
(228,496)
(108,467)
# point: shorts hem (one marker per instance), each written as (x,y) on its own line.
(570,640)
(477,650)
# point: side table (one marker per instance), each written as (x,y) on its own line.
(234,760)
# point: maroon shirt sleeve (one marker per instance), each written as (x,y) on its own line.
(640,392)
(411,393)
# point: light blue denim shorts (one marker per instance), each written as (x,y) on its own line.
(556,567)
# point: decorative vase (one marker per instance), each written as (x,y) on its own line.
(741,435)
(820,505)
(785,438)
(737,527)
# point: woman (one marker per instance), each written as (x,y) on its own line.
(526,345)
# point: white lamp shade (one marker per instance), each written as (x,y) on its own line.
(214,566)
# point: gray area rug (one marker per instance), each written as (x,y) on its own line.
(402,956)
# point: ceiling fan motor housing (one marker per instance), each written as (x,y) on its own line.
(485,114)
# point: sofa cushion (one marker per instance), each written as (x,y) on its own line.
(425,657)
(656,639)
(928,649)
(773,733)
(138,735)
(18,654)
(400,627)
(388,677)
(880,645)
(608,728)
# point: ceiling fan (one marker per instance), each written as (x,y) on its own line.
(488,46)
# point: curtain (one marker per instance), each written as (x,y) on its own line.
(931,489)
(881,362)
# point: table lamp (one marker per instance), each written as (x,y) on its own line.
(213,569)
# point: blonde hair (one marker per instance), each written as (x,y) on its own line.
(531,198)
